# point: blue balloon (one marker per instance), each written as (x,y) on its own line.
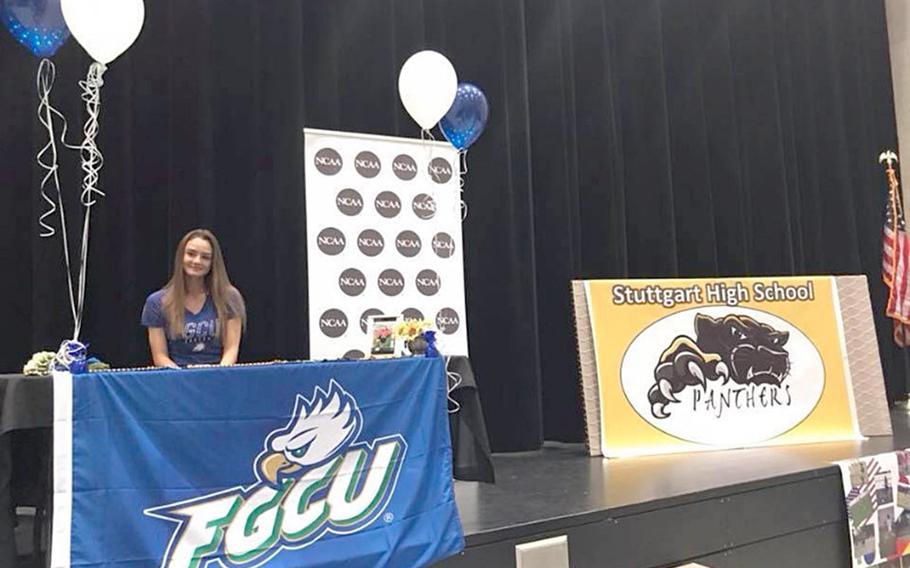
(36,24)
(467,117)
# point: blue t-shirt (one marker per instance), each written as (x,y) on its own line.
(201,340)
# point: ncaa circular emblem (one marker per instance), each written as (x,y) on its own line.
(349,202)
(367,164)
(440,170)
(447,321)
(328,161)
(330,241)
(353,354)
(405,167)
(408,243)
(443,245)
(352,282)
(391,282)
(333,323)
(411,314)
(366,315)
(424,206)
(428,282)
(388,204)
(370,242)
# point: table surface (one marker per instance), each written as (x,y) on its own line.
(27,402)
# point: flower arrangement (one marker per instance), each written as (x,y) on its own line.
(43,363)
(39,364)
(410,329)
(418,336)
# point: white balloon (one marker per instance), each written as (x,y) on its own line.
(104,28)
(427,85)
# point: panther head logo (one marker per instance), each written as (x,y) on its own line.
(735,347)
(319,430)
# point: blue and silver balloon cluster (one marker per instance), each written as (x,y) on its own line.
(36,24)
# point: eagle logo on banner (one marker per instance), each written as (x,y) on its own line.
(314,478)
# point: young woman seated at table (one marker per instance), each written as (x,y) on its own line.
(198,317)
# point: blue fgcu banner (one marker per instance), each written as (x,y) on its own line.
(312,464)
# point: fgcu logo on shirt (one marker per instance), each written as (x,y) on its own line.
(314,477)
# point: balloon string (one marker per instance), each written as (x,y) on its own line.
(463,170)
(46,112)
(92,161)
(453,382)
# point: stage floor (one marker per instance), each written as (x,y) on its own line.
(763,507)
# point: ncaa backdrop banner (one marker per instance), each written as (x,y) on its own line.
(383,237)
(286,465)
(686,365)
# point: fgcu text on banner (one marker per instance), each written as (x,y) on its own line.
(314,464)
(686,365)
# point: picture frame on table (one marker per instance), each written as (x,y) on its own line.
(381,340)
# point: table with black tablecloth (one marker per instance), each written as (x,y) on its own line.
(26,421)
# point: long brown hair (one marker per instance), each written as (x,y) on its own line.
(226,298)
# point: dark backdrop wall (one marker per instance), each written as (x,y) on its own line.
(628,138)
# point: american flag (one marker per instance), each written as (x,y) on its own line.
(896,262)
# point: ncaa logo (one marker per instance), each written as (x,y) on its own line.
(333,323)
(328,161)
(405,167)
(387,204)
(424,206)
(440,170)
(391,282)
(330,241)
(408,243)
(353,354)
(367,164)
(447,321)
(412,314)
(349,202)
(443,245)
(370,242)
(428,282)
(352,282)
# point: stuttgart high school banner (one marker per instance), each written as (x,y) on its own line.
(685,365)
(287,465)
(383,237)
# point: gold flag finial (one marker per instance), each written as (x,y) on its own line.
(887,156)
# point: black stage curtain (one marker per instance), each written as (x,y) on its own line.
(628,138)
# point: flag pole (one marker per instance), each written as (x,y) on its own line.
(897,210)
